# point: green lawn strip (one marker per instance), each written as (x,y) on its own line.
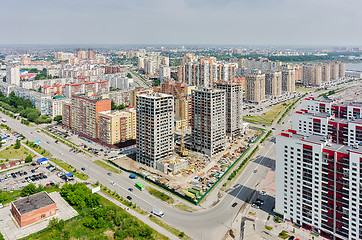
(172,230)
(69,168)
(270,116)
(266,136)
(184,207)
(11,153)
(142,79)
(283,234)
(164,197)
(106,166)
(37,148)
(268,227)
(290,108)
(119,198)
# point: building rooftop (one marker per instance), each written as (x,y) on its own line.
(33,202)
(155,95)
(319,139)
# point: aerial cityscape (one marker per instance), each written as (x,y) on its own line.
(205,120)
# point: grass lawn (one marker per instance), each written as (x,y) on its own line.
(268,227)
(304,89)
(269,117)
(37,149)
(69,168)
(283,234)
(172,230)
(12,153)
(184,207)
(75,229)
(106,166)
(160,195)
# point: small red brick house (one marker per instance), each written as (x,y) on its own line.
(33,208)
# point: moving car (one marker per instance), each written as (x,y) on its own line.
(234,204)
(158,212)
(129,198)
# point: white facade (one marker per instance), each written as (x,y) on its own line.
(318,185)
(13,75)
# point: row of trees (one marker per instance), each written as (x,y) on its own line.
(80,196)
(24,107)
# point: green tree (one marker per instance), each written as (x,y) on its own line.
(32,116)
(28,159)
(30,189)
(129,75)
(4,79)
(17,144)
(58,118)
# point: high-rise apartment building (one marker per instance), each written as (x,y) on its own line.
(234,101)
(84,113)
(206,72)
(322,73)
(318,185)
(273,84)
(13,74)
(116,126)
(155,128)
(209,120)
(288,80)
(138,91)
(255,88)
(312,74)
(165,73)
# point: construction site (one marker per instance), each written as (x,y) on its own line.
(191,173)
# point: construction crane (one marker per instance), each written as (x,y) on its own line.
(182,151)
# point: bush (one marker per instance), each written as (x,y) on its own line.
(28,159)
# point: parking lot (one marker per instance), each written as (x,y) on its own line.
(82,143)
(18,178)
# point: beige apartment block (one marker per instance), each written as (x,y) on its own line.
(255,88)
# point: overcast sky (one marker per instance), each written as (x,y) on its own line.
(246,22)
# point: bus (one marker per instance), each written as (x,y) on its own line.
(140,186)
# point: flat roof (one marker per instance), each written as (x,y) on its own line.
(33,202)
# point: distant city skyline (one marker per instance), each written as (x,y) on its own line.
(182,22)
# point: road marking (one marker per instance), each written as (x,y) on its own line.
(251,174)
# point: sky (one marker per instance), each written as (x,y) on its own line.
(182,22)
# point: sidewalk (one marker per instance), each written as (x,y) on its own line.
(143,218)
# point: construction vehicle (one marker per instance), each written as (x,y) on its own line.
(182,150)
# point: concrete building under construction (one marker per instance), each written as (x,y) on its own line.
(209,121)
(155,128)
(234,101)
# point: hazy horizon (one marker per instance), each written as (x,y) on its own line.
(183,22)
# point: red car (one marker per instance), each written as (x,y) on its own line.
(48,184)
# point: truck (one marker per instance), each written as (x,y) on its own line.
(157,212)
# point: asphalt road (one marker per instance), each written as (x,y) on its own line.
(204,224)
(210,223)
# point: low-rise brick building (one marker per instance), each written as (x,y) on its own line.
(33,208)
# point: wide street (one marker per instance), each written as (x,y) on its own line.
(210,221)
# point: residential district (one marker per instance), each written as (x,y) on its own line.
(188,143)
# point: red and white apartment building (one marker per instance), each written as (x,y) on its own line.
(319,169)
